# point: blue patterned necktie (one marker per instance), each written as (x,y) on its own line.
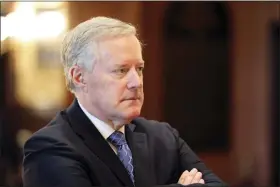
(124,153)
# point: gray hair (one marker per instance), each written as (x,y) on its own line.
(80,45)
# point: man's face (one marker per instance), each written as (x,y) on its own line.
(115,86)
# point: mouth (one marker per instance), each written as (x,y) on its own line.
(131,99)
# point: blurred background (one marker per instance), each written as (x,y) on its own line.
(212,71)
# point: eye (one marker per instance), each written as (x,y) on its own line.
(121,71)
(140,70)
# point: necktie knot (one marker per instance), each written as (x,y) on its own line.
(117,139)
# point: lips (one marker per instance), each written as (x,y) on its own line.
(133,98)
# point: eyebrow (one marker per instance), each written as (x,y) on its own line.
(125,65)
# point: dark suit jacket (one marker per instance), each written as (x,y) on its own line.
(70,152)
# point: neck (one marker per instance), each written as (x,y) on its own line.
(115,124)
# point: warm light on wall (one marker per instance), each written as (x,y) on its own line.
(25,25)
(35,29)
(4,29)
(49,24)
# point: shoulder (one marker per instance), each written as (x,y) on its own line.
(55,143)
(55,134)
(153,125)
(157,129)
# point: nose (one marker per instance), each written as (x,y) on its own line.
(135,80)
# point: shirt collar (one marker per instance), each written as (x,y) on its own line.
(105,129)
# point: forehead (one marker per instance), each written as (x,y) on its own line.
(125,48)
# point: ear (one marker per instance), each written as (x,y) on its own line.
(76,74)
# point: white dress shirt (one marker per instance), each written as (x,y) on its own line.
(104,129)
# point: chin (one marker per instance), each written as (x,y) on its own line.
(133,113)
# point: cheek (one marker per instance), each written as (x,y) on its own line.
(110,89)
(97,90)
(120,91)
(116,90)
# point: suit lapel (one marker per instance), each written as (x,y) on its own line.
(142,159)
(95,142)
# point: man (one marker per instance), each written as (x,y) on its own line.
(100,140)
